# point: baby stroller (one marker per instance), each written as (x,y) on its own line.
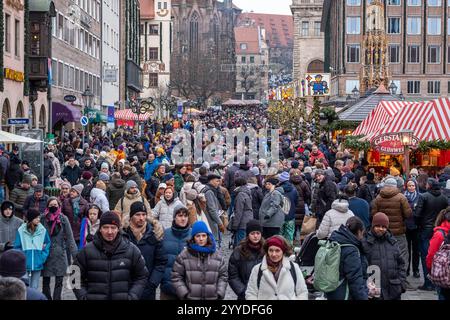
(306,257)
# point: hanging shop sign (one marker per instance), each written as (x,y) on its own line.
(14,75)
(390,143)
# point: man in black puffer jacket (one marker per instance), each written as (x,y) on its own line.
(112,268)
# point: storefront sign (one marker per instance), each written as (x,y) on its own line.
(18,121)
(16,4)
(70,98)
(111,114)
(389,143)
(14,75)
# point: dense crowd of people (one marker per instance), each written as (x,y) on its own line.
(132,221)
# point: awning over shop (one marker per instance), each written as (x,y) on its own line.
(64,113)
(127,114)
(430,120)
(6,137)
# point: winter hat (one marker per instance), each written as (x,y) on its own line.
(283,176)
(100,185)
(435,185)
(178,208)
(160,150)
(390,182)
(275,241)
(162,186)
(273,181)
(255,171)
(32,214)
(414,172)
(137,207)
(78,188)
(65,184)
(104,166)
(130,184)
(199,227)
(319,172)
(103,176)
(26,179)
(447,186)
(206,165)
(167,177)
(87,175)
(394,172)
(213,176)
(253,225)
(380,219)
(308,170)
(295,164)
(121,147)
(110,217)
(7,205)
(38,188)
(370,176)
(13,264)
(103,154)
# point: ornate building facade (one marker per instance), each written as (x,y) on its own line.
(203,56)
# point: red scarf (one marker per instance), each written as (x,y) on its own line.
(53,218)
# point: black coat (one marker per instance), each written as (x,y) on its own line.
(428,207)
(71,174)
(385,253)
(14,174)
(304,196)
(120,276)
(48,168)
(327,194)
(257,198)
(240,268)
(155,260)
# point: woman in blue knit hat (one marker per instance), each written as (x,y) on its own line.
(200,271)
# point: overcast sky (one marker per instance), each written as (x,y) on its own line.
(265,6)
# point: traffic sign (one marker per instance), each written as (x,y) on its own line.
(12,121)
(70,98)
(84,121)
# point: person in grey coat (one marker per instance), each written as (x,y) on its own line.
(271,214)
(9,224)
(243,211)
(200,271)
(61,235)
(213,205)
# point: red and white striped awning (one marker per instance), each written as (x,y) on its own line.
(430,120)
(378,117)
(127,114)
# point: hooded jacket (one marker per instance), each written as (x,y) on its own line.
(134,176)
(291,192)
(271,289)
(56,166)
(326,194)
(271,214)
(243,211)
(39,205)
(115,191)
(428,208)
(163,211)
(19,195)
(8,230)
(436,241)
(75,223)
(384,252)
(257,198)
(71,174)
(98,197)
(334,218)
(35,246)
(395,205)
(174,242)
(352,268)
(304,197)
(124,204)
(119,276)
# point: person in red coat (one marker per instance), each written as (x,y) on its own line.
(442,223)
(316,154)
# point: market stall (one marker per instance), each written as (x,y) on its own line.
(127,118)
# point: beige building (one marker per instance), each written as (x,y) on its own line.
(252,51)
(308,39)
(12,99)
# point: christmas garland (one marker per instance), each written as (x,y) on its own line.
(2,46)
(342,125)
(425,146)
(27,49)
(352,142)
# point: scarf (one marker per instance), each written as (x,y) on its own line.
(205,249)
(110,247)
(53,219)
(254,246)
(411,196)
(273,266)
(76,208)
(138,232)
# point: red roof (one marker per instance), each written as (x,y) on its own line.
(147,9)
(279,28)
(249,36)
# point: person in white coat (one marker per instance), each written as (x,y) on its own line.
(276,277)
(56,165)
(334,218)
(98,196)
(165,207)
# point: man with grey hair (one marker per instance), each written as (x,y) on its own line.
(12,289)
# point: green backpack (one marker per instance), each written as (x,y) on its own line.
(326,266)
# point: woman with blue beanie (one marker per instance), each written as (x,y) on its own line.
(200,271)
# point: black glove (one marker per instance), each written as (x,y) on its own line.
(8,246)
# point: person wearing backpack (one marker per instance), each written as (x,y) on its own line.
(290,194)
(351,264)
(334,218)
(440,237)
(381,249)
(276,277)
(271,214)
(243,211)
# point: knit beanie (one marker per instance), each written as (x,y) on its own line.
(275,241)
(380,219)
(13,264)
(86,175)
(104,165)
(136,207)
(131,184)
(394,172)
(178,208)
(390,182)
(32,214)
(110,217)
(253,225)
(199,227)
(284,176)
(295,164)
(103,176)
(7,205)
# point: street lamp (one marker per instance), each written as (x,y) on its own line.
(406,139)
(141,107)
(355,93)
(393,88)
(88,98)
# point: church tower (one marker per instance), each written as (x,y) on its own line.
(374,71)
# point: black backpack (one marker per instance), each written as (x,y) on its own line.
(293,274)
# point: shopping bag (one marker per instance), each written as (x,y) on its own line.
(308,226)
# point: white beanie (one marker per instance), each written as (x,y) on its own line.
(206,165)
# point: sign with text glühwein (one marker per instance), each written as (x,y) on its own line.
(389,143)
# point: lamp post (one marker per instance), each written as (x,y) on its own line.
(355,93)
(88,98)
(393,88)
(141,107)
(406,137)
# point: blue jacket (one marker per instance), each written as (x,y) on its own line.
(291,192)
(150,168)
(353,267)
(360,208)
(155,259)
(36,246)
(174,242)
